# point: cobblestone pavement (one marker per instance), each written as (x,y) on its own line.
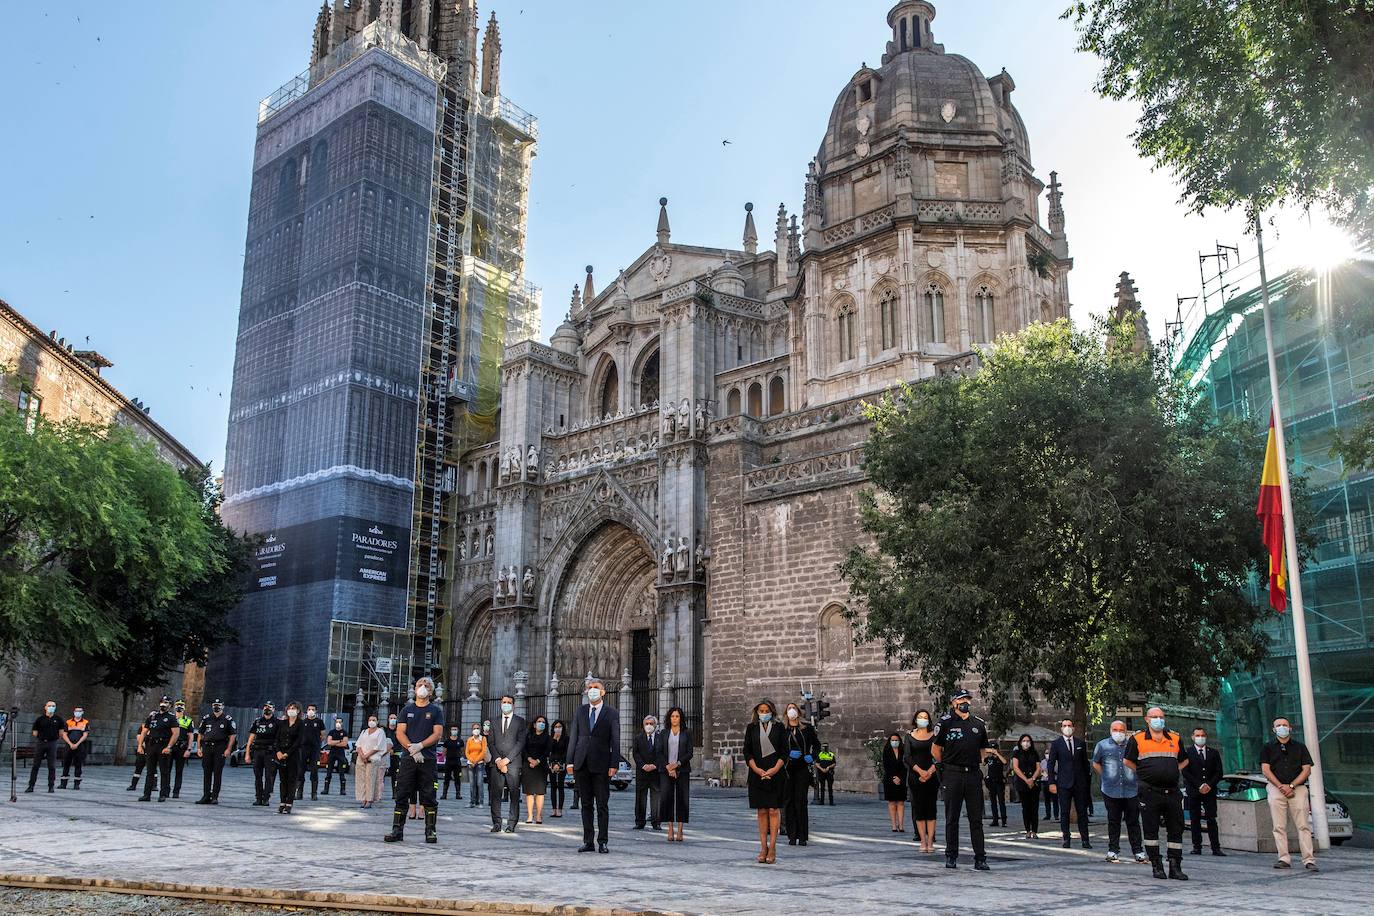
(67,903)
(853,864)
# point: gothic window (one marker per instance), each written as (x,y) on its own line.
(935,307)
(834,638)
(610,393)
(732,402)
(648,380)
(887,317)
(756,400)
(481,482)
(777,399)
(845,322)
(983,305)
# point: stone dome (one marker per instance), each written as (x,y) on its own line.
(566,339)
(727,279)
(924,90)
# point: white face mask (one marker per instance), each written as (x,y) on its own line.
(594,694)
(371,723)
(1283,731)
(310,713)
(792,714)
(648,729)
(1067,731)
(78,714)
(453,733)
(291,713)
(506,708)
(1119,737)
(1025,745)
(923,722)
(1200,740)
(422,692)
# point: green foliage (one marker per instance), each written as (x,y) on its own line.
(1249,103)
(1069,521)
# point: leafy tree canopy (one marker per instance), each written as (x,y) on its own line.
(1068,521)
(1249,103)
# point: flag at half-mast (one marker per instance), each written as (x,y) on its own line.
(1270,514)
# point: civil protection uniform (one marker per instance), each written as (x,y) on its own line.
(1157,773)
(76,730)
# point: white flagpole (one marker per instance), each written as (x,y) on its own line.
(1294,583)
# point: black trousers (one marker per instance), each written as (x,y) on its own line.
(1051,802)
(825,782)
(211,769)
(338,763)
(1117,809)
(1075,797)
(264,774)
(507,780)
(1030,806)
(44,750)
(997,800)
(558,791)
(963,791)
(594,789)
(646,791)
(1158,805)
(178,767)
(158,765)
(796,804)
(453,776)
(416,783)
(392,768)
(290,769)
(77,759)
(1203,811)
(310,763)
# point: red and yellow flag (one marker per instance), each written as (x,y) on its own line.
(1270,513)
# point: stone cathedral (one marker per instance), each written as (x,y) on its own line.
(676,476)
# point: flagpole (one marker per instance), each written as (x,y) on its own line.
(1293,578)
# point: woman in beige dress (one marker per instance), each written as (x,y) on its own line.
(373,747)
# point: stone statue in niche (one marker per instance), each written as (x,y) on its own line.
(462,549)
(513,463)
(682,563)
(501,583)
(527,583)
(491,543)
(703,555)
(665,562)
(532,463)
(669,423)
(684,418)
(702,415)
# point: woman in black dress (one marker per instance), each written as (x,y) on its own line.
(894,782)
(534,775)
(763,745)
(558,761)
(1025,769)
(921,781)
(288,756)
(673,757)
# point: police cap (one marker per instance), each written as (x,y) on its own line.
(961,695)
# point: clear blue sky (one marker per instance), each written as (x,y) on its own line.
(129,134)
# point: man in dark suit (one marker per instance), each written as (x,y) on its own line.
(646,747)
(1201,776)
(507,745)
(593,757)
(1069,778)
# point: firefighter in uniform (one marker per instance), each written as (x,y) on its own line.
(419,728)
(825,775)
(156,741)
(312,735)
(337,742)
(182,752)
(214,744)
(960,744)
(262,742)
(1158,758)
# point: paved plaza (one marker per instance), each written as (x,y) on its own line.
(853,865)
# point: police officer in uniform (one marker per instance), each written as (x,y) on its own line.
(262,744)
(156,741)
(138,765)
(418,729)
(1158,758)
(214,743)
(960,744)
(312,735)
(825,775)
(182,751)
(337,742)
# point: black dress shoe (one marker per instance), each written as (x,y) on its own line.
(981,865)
(1218,852)
(639,826)
(1087,845)
(495,828)
(1197,850)
(801,842)
(586,847)
(510,828)
(950,863)
(1067,844)
(601,847)
(202,801)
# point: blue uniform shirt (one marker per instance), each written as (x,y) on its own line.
(1118,780)
(419,722)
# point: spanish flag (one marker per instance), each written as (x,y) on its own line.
(1270,513)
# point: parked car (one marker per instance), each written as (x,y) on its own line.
(620,781)
(1249,787)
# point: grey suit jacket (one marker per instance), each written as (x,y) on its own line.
(511,744)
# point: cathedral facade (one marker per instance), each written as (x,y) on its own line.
(676,476)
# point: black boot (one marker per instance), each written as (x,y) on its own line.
(342,787)
(315,796)
(1176,865)
(76,785)
(431,822)
(64,783)
(133,784)
(398,827)
(1156,865)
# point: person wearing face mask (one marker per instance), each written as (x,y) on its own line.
(453,762)
(1118,792)
(507,744)
(214,744)
(1070,779)
(1025,769)
(534,775)
(894,782)
(961,743)
(674,759)
(372,748)
(645,754)
(47,732)
(337,742)
(1158,759)
(594,757)
(922,780)
(558,760)
(286,753)
(262,739)
(156,740)
(801,749)
(1287,765)
(393,761)
(825,775)
(476,753)
(1201,777)
(418,730)
(995,781)
(181,752)
(76,736)
(764,740)
(312,735)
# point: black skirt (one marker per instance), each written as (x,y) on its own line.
(924,796)
(534,780)
(767,793)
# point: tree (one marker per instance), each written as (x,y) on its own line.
(1249,103)
(1069,521)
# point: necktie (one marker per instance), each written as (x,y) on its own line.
(591,719)
(505,724)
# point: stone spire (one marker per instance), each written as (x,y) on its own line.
(338,25)
(780,244)
(664,232)
(1056,214)
(1128,308)
(751,235)
(390,14)
(910,22)
(793,246)
(491,59)
(319,45)
(588,291)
